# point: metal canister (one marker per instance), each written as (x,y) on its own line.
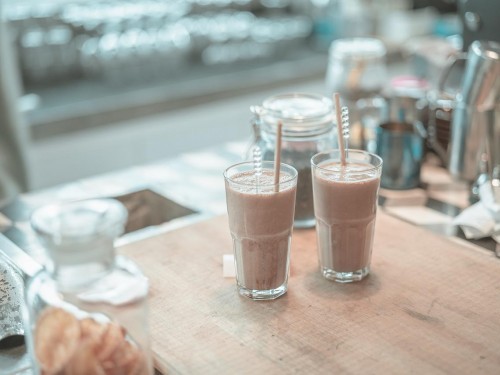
(400,145)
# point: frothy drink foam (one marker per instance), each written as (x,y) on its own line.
(261,222)
(345,205)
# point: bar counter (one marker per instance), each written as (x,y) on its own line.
(430,304)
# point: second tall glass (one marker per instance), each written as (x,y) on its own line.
(345,205)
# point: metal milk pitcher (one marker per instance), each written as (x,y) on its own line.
(475,129)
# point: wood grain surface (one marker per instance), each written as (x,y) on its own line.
(430,306)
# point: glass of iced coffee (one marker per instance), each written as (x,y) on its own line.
(260,220)
(345,206)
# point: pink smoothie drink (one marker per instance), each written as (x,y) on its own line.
(260,222)
(345,205)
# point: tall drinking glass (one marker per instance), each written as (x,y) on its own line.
(260,220)
(345,206)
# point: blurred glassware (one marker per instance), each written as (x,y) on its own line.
(307,129)
(406,96)
(256,38)
(200,6)
(409,100)
(86,287)
(356,70)
(372,112)
(397,27)
(127,41)
(431,60)
(400,145)
(340,19)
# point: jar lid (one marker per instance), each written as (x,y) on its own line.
(301,114)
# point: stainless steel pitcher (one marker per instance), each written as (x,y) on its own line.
(475,130)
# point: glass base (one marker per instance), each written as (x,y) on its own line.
(345,277)
(304,223)
(262,295)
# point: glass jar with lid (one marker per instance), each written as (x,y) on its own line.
(86,311)
(307,129)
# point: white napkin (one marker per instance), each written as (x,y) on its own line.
(228,265)
(483,218)
(117,289)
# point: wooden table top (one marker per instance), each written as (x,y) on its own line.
(430,306)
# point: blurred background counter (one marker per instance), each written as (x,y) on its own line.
(109,84)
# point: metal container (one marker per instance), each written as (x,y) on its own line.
(475,130)
(400,145)
(404,102)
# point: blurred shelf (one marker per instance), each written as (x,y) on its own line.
(87,104)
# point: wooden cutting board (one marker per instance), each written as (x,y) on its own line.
(430,306)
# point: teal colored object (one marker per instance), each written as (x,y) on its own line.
(401,149)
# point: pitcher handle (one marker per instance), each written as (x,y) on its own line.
(448,69)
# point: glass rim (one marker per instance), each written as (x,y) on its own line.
(370,167)
(268,162)
(329,106)
(318,121)
(326,112)
(119,216)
